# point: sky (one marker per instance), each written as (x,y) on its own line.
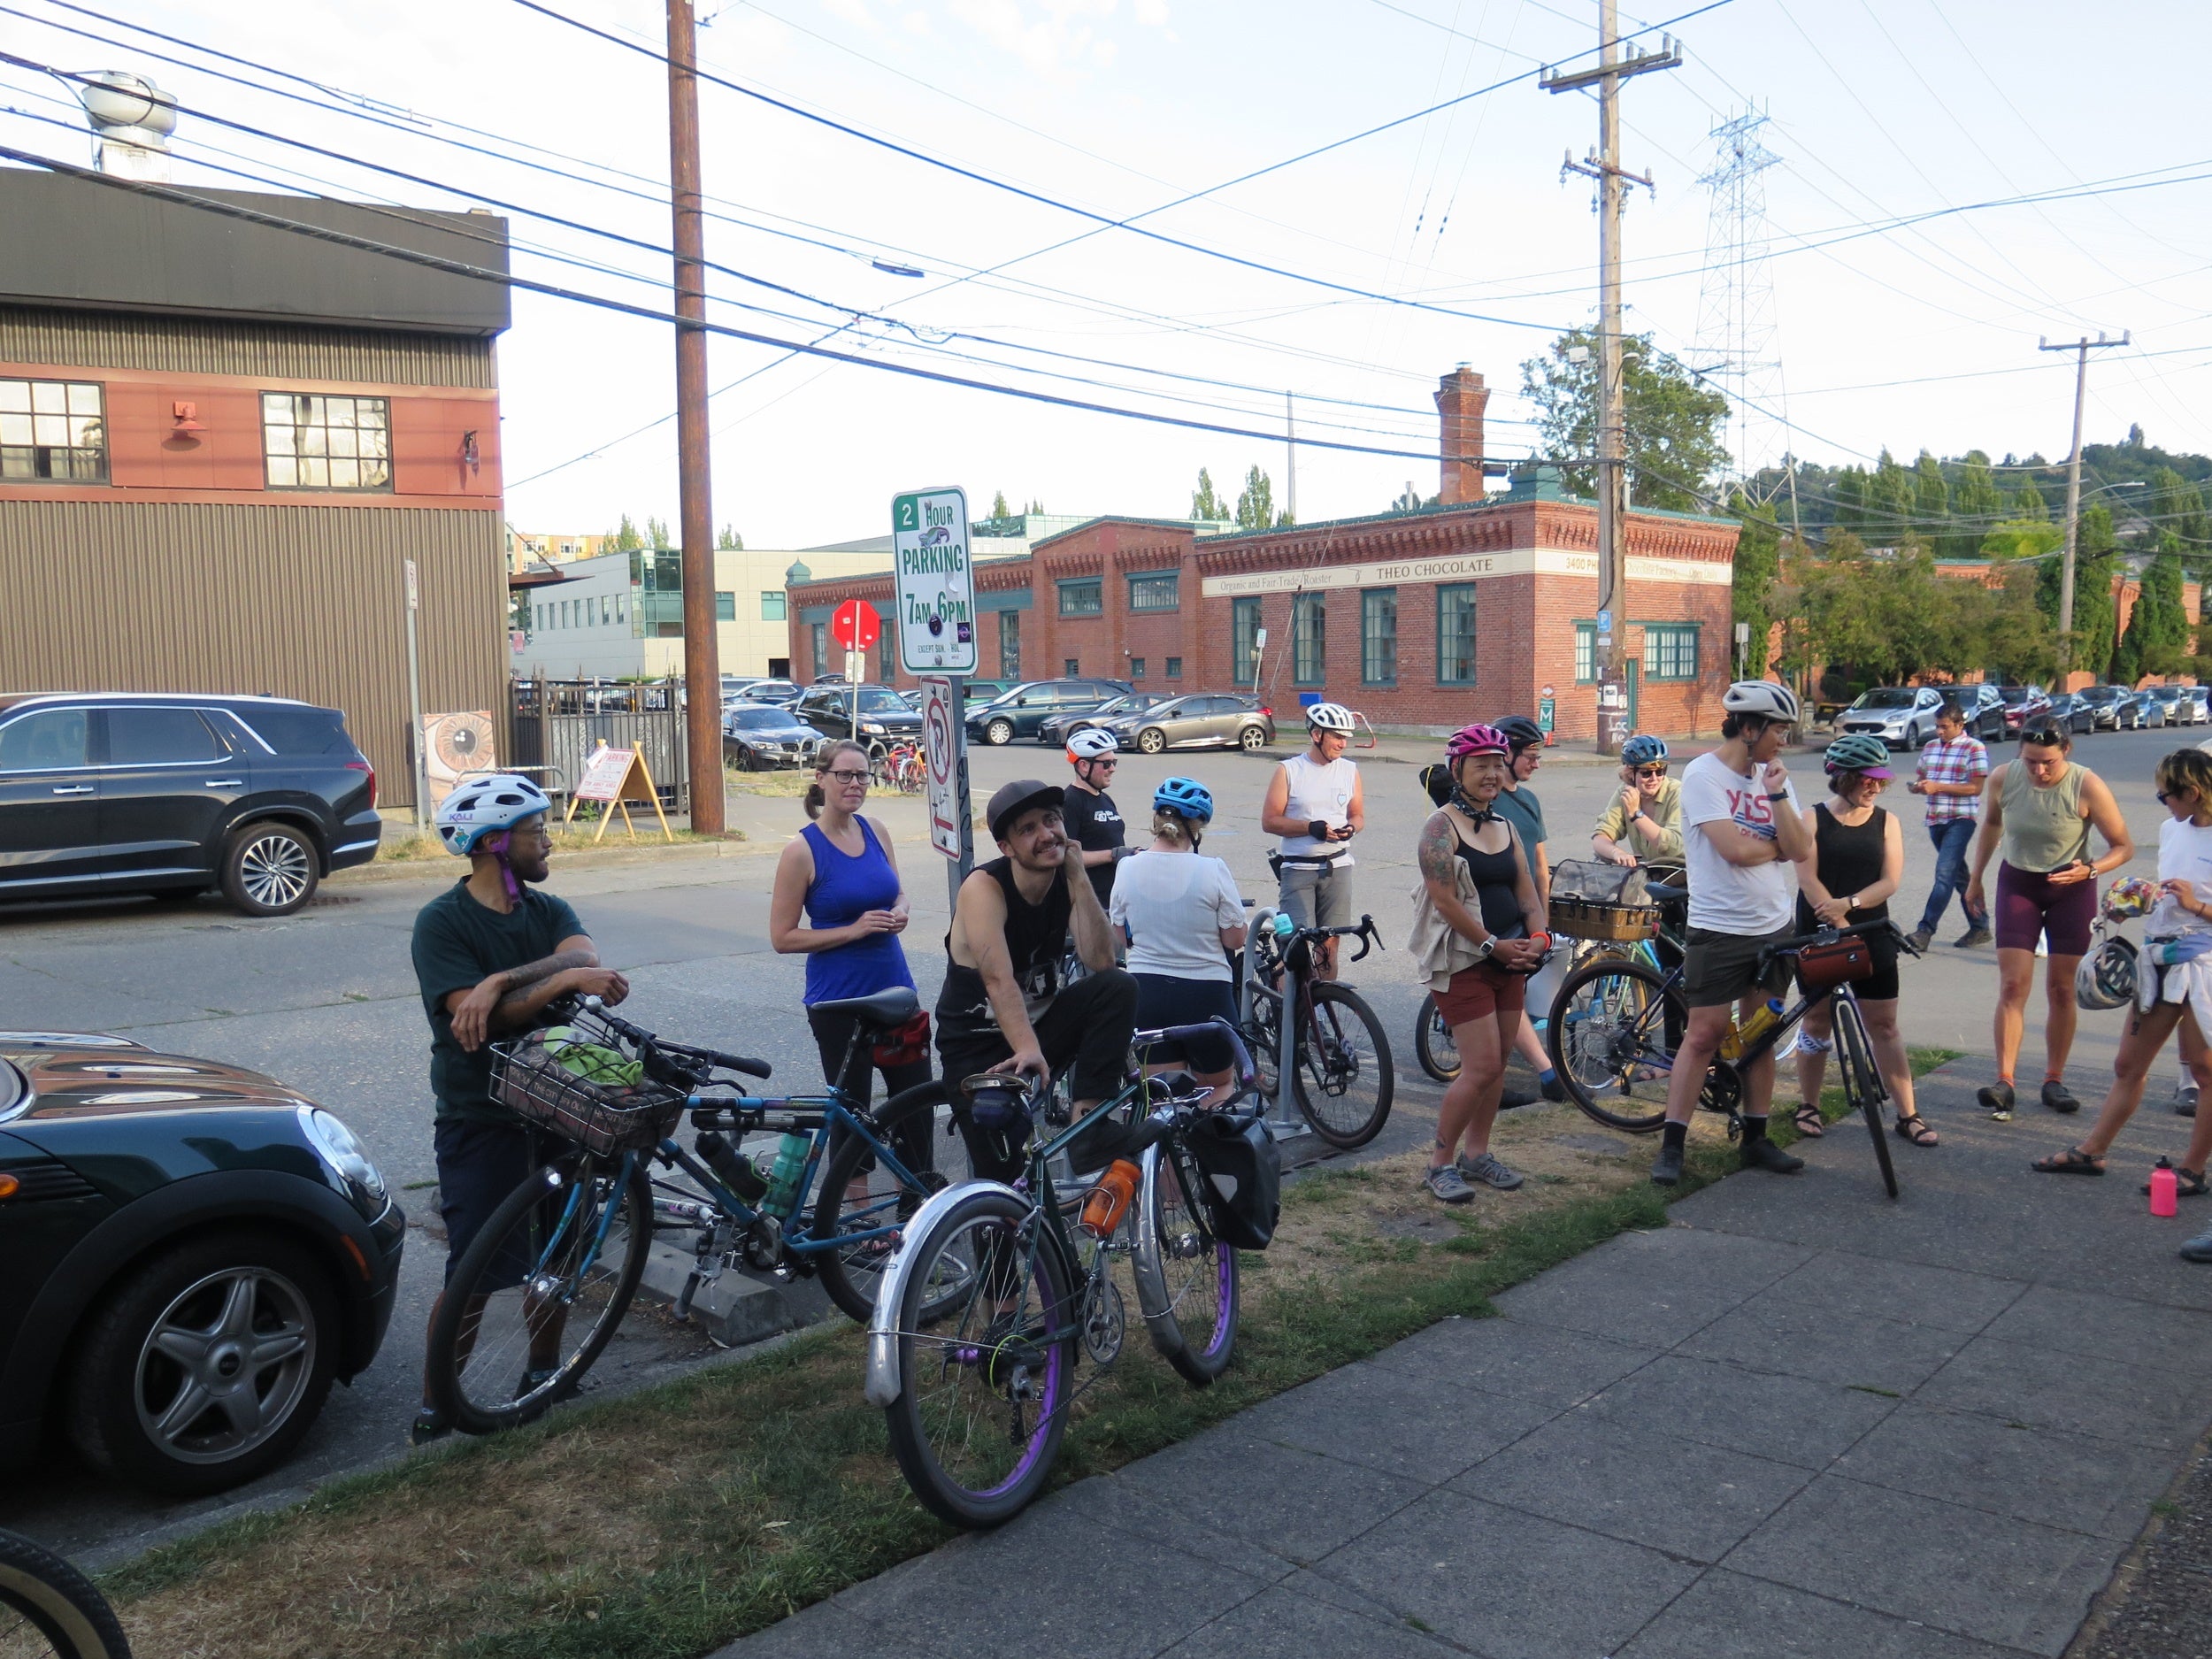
(1899,312)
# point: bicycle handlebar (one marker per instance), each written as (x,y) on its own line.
(647,1041)
(1366,932)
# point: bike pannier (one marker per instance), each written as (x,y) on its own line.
(1824,967)
(1242,1174)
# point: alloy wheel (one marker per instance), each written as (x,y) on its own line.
(274,871)
(224,1365)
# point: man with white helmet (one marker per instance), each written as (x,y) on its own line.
(490,952)
(1313,804)
(1088,817)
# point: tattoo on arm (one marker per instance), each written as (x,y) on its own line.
(520,980)
(1438,842)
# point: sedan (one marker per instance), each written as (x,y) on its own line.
(2149,711)
(1061,728)
(2200,700)
(782,693)
(195,1253)
(759,737)
(2110,705)
(1981,709)
(2023,704)
(2072,714)
(2175,699)
(1205,720)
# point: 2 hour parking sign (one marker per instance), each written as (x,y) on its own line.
(936,583)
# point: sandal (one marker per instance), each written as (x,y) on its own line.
(2073,1160)
(1810,1123)
(1913,1128)
(2187,1183)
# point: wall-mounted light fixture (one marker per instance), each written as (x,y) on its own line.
(469,457)
(186,419)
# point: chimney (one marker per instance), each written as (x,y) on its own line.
(1461,397)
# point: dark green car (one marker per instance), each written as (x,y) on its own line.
(193,1254)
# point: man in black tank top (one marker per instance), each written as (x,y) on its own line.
(1003,1007)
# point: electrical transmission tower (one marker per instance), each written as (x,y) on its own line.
(1736,349)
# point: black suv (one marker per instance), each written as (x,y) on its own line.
(885,717)
(1022,711)
(173,795)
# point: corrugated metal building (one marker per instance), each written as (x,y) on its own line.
(220,441)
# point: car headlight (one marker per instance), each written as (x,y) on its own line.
(351,1171)
(872,727)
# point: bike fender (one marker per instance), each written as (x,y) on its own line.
(1144,1261)
(883,1383)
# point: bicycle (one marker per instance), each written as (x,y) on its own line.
(1616,1025)
(567,1248)
(1433,1045)
(48,1609)
(995,1298)
(1341,1074)
(901,767)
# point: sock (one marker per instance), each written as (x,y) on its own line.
(2053,1076)
(2004,1079)
(1547,1075)
(1754,1129)
(1671,1135)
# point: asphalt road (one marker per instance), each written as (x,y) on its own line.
(326,1001)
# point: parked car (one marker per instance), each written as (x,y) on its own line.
(1979,706)
(781,693)
(138,793)
(2200,700)
(1202,720)
(760,737)
(1903,717)
(194,1254)
(2149,711)
(1020,710)
(1061,728)
(2175,699)
(2072,714)
(2023,704)
(2109,705)
(980,691)
(885,717)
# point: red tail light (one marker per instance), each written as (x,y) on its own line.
(363,765)
(1270,713)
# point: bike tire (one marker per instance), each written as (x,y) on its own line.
(1186,1278)
(850,1274)
(43,1598)
(983,1384)
(1327,1081)
(1433,1044)
(538,1235)
(1606,1040)
(1862,1083)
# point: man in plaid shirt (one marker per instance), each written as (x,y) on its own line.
(1952,769)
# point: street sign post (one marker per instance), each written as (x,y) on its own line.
(951,828)
(856,626)
(935,581)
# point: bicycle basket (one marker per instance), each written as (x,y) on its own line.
(531,1081)
(1603,884)
(1594,901)
(1242,1176)
(1824,967)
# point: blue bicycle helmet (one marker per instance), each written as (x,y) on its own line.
(1187,797)
(1641,751)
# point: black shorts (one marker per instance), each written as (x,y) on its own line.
(1164,999)
(479,1165)
(1719,969)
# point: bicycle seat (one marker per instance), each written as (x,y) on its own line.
(1666,893)
(886,1009)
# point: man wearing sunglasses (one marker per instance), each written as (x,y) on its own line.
(1645,824)
(1088,817)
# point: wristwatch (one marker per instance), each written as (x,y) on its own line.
(1782,795)
(1483,950)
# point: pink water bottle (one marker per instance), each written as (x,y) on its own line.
(2163,1188)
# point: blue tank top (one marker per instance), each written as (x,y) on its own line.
(844,885)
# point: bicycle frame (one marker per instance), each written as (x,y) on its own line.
(1292,1001)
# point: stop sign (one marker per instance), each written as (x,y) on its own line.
(856,626)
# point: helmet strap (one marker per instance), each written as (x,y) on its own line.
(496,845)
(1468,804)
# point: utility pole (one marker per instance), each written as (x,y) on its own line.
(1604,165)
(2081,349)
(1290,425)
(703,672)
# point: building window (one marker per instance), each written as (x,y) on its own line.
(887,654)
(1670,650)
(1456,635)
(1073,668)
(821,649)
(52,430)
(1154,590)
(606,608)
(1586,653)
(1010,645)
(725,607)
(1136,668)
(311,442)
(1244,640)
(1086,597)
(1378,637)
(1309,640)
(622,607)
(1174,668)
(771,607)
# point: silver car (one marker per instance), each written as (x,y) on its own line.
(1202,720)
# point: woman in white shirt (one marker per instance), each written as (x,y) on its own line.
(1181,914)
(2169,993)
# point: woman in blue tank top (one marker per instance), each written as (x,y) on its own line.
(839,869)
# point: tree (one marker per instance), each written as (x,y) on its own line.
(1848,491)
(1890,503)
(1035,506)
(729,541)
(2094,641)
(2022,539)
(656,533)
(626,537)
(1256,507)
(1976,507)
(1931,501)
(999,509)
(2027,500)
(2176,508)
(1204,504)
(2157,638)
(1758,565)
(1675,424)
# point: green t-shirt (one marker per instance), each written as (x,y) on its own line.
(458,943)
(1666,812)
(1521,809)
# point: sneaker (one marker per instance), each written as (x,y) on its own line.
(533,1380)
(1970,938)
(1666,1169)
(2185,1099)
(1490,1172)
(1920,939)
(1759,1153)
(1510,1098)
(429,1425)
(1553,1089)
(1998,1098)
(1448,1185)
(2199,1249)
(2058,1098)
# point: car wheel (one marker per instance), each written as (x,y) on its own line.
(1151,740)
(269,868)
(203,1369)
(999,731)
(1252,739)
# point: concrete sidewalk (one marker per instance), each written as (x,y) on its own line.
(1800,1420)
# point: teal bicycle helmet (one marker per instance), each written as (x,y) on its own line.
(1643,751)
(1187,797)
(1858,752)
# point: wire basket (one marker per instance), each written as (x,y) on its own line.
(532,1084)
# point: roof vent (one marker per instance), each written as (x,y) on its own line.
(131,120)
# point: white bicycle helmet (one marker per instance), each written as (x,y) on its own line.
(1764,698)
(1330,717)
(2108,975)
(1093,742)
(484,806)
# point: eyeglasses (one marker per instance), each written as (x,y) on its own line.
(1651,772)
(845,775)
(1107,761)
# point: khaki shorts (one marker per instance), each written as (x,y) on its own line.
(1720,968)
(1316,895)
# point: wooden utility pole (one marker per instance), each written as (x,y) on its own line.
(703,670)
(2081,348)
(1604,165)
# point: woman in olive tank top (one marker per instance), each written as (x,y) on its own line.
(2041,807)
(1858,862)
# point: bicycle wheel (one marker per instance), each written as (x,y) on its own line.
(985,1374)
(1433,1044)
(1344,1079)
(539,1293)
(1608,1041)
(48,1609)
(1862,1083)
(1263,1040)
(1186,1279)
(858,1193)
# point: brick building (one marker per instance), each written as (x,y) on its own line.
(1423,618)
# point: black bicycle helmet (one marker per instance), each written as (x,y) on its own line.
(1521,732)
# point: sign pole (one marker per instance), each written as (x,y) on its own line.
(414,709)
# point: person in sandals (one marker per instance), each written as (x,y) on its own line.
(1858,860)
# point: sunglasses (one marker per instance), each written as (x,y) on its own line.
(2164,796)
(2043,737)
(1651,772)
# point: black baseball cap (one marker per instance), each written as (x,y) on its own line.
(1014,799)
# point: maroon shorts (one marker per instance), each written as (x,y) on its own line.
(2029,904)
(1479,993)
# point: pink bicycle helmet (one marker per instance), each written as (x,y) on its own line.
(1476,739)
